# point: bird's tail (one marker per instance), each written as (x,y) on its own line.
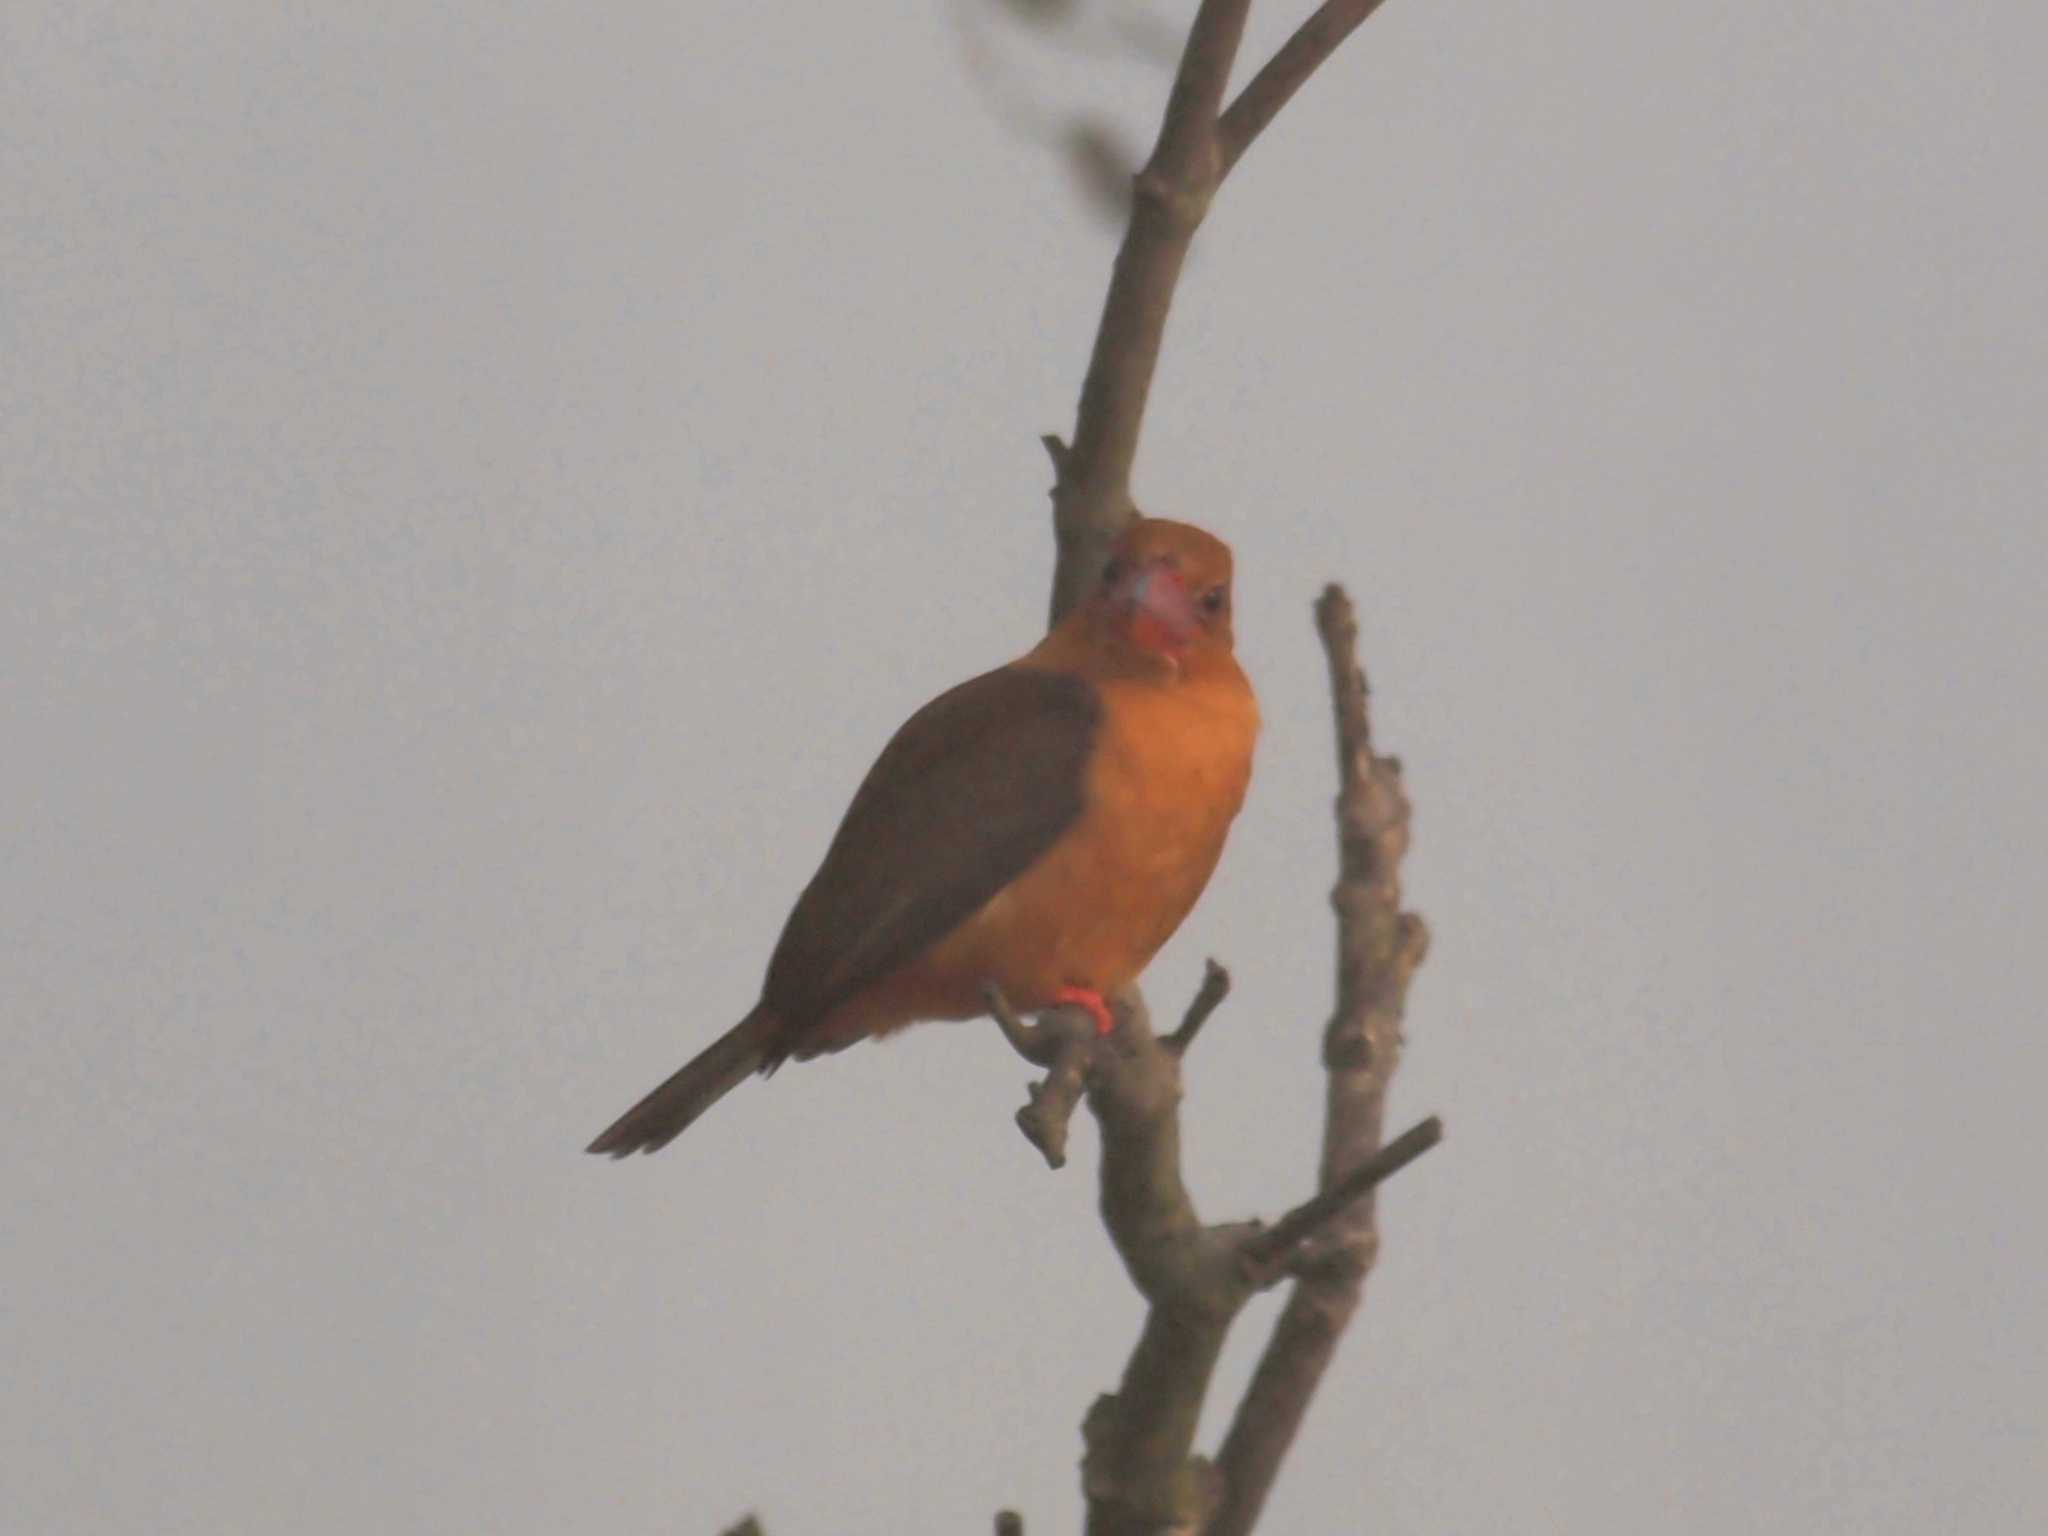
(706,1078)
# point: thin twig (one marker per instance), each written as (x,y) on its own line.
(1208,997)
(1286,72)
(1302,1223)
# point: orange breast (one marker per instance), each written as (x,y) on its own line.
(1168,774)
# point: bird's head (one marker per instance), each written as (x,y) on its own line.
(1164,596)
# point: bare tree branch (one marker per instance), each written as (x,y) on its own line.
(1197,98)
(1197,146)
(1378,948)
(1137,1472)
(1092,493)
(1286,72)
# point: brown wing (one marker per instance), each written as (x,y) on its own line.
(969,793)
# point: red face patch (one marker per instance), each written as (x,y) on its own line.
(1162,617)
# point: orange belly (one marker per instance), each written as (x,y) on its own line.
(1167,777)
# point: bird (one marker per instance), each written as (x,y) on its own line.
(1043,828)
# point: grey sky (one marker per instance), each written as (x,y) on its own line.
(479,482)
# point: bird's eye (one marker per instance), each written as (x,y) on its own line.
(1113,573)
(1215,600)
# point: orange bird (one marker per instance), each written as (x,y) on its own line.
(1044,826)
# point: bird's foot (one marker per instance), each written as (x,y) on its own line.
(1092,1001)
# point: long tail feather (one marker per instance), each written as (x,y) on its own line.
(714,1072)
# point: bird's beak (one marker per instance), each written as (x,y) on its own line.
(1157,609)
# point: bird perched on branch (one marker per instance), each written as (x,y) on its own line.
(1044,827)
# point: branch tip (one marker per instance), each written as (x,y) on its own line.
(1208,997)
(1303,1222)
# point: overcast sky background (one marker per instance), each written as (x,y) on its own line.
(480,481)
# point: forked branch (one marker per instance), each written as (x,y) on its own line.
(1287,72)
(1198,144)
